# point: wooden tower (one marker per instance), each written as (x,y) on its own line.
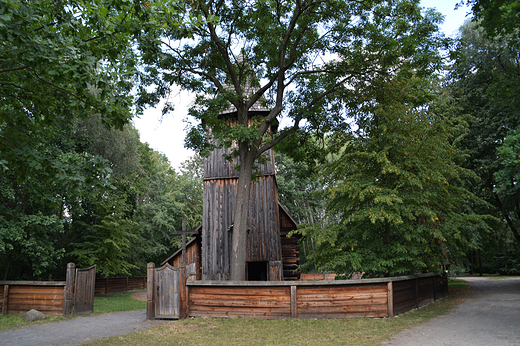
(264,244)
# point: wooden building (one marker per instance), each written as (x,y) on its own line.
(271,255)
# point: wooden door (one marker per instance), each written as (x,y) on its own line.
(167,298)
(84,288)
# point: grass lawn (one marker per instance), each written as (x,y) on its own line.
(113,302)
(247,331)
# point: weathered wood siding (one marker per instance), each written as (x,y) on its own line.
(263,242)
(193,257)
(414,293)
(317,276)
(341,301)
(217,167)
(404,296)
(243,301)
(290,246)
(20,298)
(312,299)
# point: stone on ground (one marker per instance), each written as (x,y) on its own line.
(33,315)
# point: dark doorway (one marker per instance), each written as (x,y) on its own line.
(256,271)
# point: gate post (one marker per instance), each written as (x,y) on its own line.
(390,298)
(183,309)
(150,288)
(69,289)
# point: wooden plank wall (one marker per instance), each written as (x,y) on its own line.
(332,299)
(340,301)
(317,276)
(46,298)
(263,243)
(404,296)
(243,301)
(217,167)
(112,285)
(290,247)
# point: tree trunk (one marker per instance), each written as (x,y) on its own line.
(239,242)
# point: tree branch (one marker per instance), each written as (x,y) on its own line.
(15,69)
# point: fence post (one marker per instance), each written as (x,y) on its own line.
(390,287)
(294,301)
(416,293)
(150,281)
(182,291)
(69,289)
(5,300)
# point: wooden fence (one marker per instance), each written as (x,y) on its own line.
(384,297)
(112,285)
(22,296)
(317,276)
(314,299)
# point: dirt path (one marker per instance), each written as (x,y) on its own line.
(489,316)
(78,330)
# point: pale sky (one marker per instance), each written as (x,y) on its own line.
(166,134)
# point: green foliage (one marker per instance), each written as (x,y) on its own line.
(484,80)
(507,264)
(396,189)
(498,17)
(295,58)
(508,177)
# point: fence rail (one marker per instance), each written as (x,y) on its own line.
(384,297)
(22,296)
(56,297)
(314,299)
(112,285)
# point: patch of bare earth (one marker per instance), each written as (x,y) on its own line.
(140,296)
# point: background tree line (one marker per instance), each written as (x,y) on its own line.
(403,154)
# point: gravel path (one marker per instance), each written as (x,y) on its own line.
(489,316)
(78,330)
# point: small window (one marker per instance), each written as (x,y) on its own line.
(257,271)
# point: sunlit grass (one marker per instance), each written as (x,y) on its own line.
(247,331)
(117,302)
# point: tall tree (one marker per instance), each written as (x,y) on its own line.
(499,18)
(396,189)
(485,80)
(297,56)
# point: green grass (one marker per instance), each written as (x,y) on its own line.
(246,331)
(117,302)
(11,321)
(113,302)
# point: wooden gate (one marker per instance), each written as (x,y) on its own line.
(84,289)
(167,295)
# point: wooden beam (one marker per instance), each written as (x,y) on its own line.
(69,288)
(184,233)
(294,302)
(5,299)
(390,299)
(150,304)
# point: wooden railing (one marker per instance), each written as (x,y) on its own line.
(384,297)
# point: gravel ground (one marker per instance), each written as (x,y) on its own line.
(78,330)
(489,316)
